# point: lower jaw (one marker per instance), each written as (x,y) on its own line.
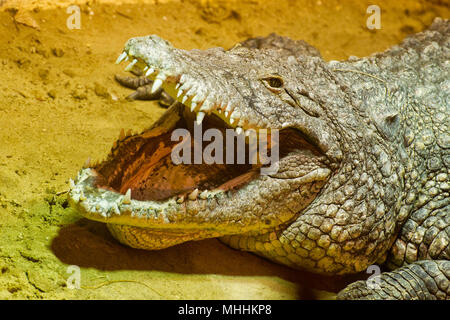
(154,239)
(155,229)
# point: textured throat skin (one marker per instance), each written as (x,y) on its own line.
(372,186)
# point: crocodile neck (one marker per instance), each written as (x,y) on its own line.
(410,115)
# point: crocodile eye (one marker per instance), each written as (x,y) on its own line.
(273,83)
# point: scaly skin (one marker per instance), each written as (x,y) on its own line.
(367,182)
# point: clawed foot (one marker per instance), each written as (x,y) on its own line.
(421,280)
(142,86)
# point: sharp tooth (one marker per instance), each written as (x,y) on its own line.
(145,68)
(115,208)
(156,85)
(228,108)
(200,96)
(206,106)
(122,57)
(122,134)
(239,130)
(184,87)
(191,92)
(71,184)
(234,117)
(203,195)
(193,195)
(180,92)
(177,85)
(76,197)
(180,199)
(87,163)
(226,114)
(200,117)
(132,63)
(184,99)
(149,72)
(193,106)
(127,197)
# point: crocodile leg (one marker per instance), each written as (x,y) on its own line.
(426,279)
(133,82)
(142,86)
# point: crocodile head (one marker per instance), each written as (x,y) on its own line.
(150,201)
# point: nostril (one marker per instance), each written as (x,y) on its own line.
(274,81)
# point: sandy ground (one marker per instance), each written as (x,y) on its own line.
(59,105)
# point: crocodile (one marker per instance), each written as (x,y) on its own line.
(362,177)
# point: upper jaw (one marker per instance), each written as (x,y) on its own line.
(228,84)
(185,76)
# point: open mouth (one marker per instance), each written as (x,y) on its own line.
(141,184)
(143,167)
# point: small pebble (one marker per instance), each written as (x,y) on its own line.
(52,93)
(101,91)
(43,74)
(79,93)
(58,52)
(69,72)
